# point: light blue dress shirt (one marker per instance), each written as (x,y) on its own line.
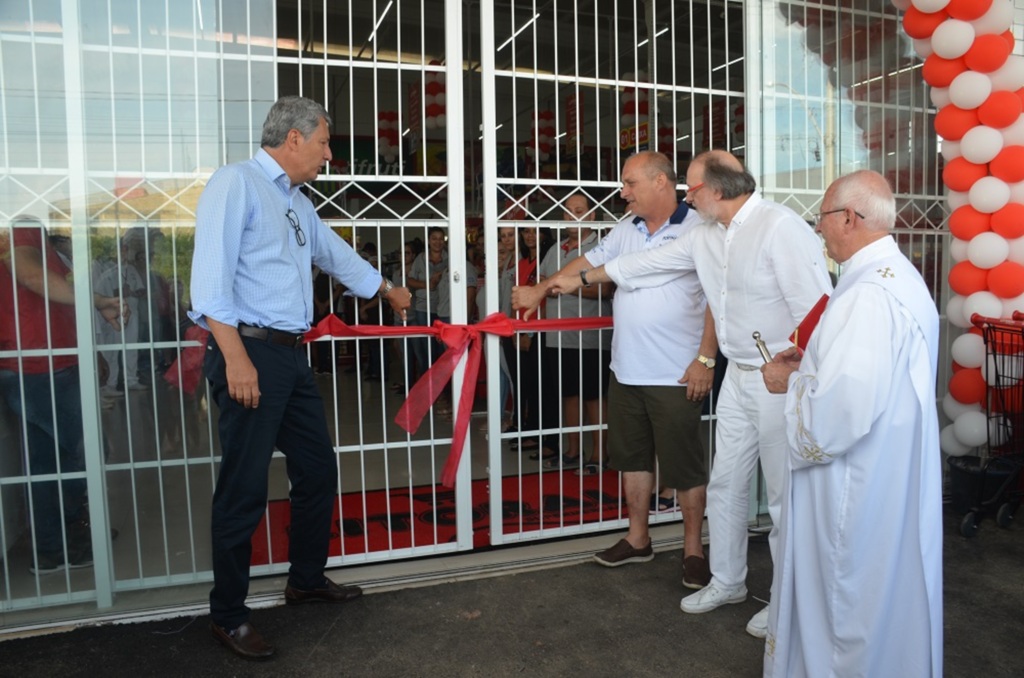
(248,267)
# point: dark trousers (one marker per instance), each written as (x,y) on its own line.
(290,416)
(54,441)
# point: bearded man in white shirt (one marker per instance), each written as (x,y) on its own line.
(762,270)
(858,585)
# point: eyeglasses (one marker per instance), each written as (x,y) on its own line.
(821,215)
(690,190)
(293,219)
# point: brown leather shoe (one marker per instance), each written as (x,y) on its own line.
(622,553)
(330,593)
(245,641)
(696,573)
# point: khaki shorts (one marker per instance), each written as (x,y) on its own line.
(656,422)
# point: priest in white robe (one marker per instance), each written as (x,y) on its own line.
(858,579)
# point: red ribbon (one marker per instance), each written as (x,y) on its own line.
(458,339)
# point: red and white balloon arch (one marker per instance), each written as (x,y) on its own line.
(978,89)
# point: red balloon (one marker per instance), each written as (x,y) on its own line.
(1000,110)
(919,25)
(629,108)
(953,123)
(939,72)
(434,88)
(968,10)
(966,222)
(1006,280)
(960,174)
(1009,164)
(1009,221)
(956,367)
(644,107)
(1020,95)
(968,386)
(1008,37)
(988,53)
(965,278)
(433,110)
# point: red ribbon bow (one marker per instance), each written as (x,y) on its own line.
(458,339)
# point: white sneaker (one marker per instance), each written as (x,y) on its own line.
(137,386)
(109,391)
(710,597)
(758,624)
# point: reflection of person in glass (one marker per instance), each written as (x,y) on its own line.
(35,279)
(257,239)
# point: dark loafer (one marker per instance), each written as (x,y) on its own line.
(330,593)
(696,573)
(245,641)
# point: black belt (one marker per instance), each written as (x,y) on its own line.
(279,337)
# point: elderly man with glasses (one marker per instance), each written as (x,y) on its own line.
(257,239)
(762,270)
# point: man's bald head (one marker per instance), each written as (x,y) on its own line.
(723,172)
(869,194)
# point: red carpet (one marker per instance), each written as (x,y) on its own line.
(380,520)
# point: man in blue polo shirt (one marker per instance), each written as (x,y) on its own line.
(257,238)
(663,349)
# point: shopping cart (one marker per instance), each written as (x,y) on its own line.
(997,471)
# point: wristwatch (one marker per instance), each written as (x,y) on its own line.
(706,361)
(388,286)
(583,277)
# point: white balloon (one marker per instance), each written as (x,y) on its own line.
(1009,76)
(958,249)
(969,89)
(1011,305)
(939,96)
(950,149)
(984,304)
(628,120)
(628,95)
(957,199)
(390,158)
(1014,134)
(429,99)
(952,38)
(988,250)
(949,443)
(927,6)
(955,312)
(954,408)
(996,20)
(1016,254)
(440,78)
(992,371)
(1017,192)
(430,77)
(988,194)
(442,120)
(431,122)
(440,99)
(981,144)
(923,47)
(971,428)
(968,350)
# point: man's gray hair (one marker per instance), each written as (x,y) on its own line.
(729,181)
(869,194)
(288,113)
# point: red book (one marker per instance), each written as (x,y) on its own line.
(802,334)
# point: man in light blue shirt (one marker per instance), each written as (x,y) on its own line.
(257,237)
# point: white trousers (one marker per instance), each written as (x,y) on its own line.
(751,423)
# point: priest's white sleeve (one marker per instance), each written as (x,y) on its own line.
(844,379)
(653,267)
